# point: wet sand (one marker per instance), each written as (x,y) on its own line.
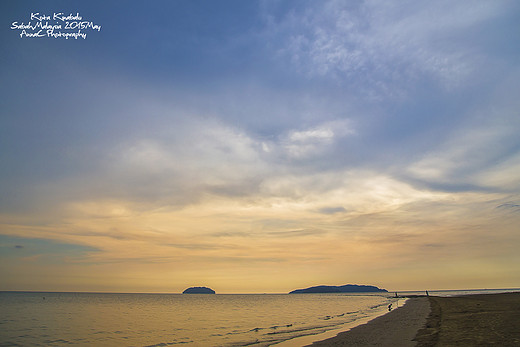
(469,320)
(396,328)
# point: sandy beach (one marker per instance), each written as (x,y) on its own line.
(473,320)
(470,320)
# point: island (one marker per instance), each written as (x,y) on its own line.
(347,288)
(199,290)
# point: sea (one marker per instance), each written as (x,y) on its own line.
(111,319)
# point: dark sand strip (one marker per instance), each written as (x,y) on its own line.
(473,320)
(394,329)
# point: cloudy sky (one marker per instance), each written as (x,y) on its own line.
(261,146)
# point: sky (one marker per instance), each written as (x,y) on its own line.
(260,146)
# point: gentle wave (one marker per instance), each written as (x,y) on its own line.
(83,319)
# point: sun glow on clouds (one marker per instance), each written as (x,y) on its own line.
(281,225)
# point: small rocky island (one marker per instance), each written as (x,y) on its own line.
(347,288)
(199,290)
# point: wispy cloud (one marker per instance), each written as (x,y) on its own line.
(316,140)
(381,47)
(331,210)
(483,151)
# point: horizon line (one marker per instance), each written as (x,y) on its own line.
(256,293)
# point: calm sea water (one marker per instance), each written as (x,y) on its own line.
(94,319)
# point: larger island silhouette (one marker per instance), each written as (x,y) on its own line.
(347,288)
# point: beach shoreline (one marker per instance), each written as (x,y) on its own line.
(396,328)
(307,340)
(465,320)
